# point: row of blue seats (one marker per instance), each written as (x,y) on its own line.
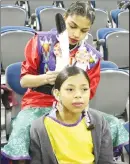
(119,18)
(13,70)
(31,5)
(108,39)
(19,17)
(19,12)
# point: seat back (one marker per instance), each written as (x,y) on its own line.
(6,2)
(112,92)
(117,44)
(48,13)
(123,20)
(106,4)
(35,4)
(67,3)
(90,39)
(13,15)
(100,22)
(13,42)
(12,74)
(108,65)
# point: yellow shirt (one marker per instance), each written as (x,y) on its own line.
(71,144)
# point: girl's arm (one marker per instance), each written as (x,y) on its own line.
(106,149)
(35,151)
(30,81)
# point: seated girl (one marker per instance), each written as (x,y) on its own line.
(71,133)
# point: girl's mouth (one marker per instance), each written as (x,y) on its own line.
(77,104)
(73,40)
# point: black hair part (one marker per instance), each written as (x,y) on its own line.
(83,9)
(68,72)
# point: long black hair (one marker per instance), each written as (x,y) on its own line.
(68,72)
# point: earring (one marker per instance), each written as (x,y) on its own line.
(59,99)
(86,37)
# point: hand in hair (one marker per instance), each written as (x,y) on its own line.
(51,77)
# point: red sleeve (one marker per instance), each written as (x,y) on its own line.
(94,76)
(31,63)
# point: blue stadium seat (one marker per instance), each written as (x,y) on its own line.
(105,4)
(45,13)
(16,28)
(35,4)
(115,43)
(14,38)
(13,78)
(12,74)
(101,21)
(112,92)
(108,65)
(120,18)
(12,15)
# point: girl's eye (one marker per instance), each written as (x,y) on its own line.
(69,89)
(72,26)
(84,31)
(85,89)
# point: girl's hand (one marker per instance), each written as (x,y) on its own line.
(51,77)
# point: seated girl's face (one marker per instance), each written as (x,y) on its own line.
(74,93)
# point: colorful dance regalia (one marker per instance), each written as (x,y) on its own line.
(49,50)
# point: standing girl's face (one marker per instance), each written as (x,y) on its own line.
(78,27)
(74,94)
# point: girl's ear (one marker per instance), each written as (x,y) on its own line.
(65,16)
(56,94)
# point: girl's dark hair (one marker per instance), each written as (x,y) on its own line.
(83,9)
(68,72)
